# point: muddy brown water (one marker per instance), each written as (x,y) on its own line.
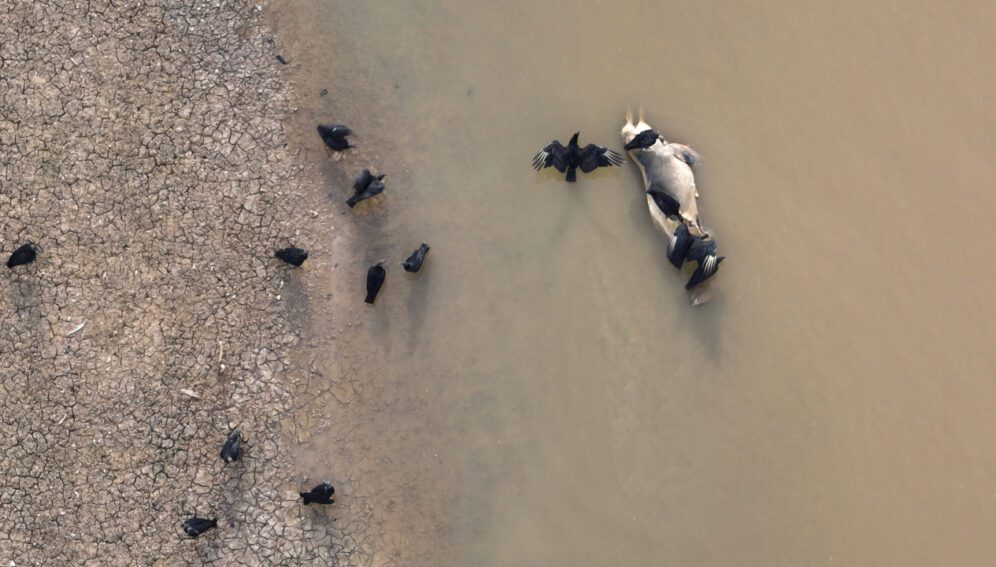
(543,394)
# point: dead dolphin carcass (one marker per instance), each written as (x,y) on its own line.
(669,182)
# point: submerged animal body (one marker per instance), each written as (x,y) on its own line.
(567,159)
(669,182)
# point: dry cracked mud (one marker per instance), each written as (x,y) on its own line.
(143,149)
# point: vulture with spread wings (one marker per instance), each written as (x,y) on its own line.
(568,159)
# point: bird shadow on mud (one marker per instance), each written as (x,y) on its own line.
(380,322)
(25,307)
(295,297)
(418,301)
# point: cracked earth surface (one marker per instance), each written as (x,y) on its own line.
(143,149)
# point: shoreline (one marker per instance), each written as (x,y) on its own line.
(348,422)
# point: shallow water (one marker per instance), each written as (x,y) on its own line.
(543,394)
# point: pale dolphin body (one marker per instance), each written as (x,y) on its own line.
(666,166)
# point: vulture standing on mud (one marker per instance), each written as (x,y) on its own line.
(321,494)
(334,136)
(197,526)
(292,255)
(25,254)
(232,449)
(365,186)
(569,159)
(414,262)
(375,280)
(363,179)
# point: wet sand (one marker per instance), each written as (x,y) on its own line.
(359,417)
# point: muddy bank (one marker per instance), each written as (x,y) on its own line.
(359,415)
(145,151)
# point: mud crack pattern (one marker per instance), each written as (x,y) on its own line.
(143,149)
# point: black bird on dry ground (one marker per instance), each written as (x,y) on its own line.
(292,255)
(321,494)
(196,526)
(414,262)
(365,186)
(232,449)
(334,136)
(568,159)
(375,279)
(704,252)
(25,254)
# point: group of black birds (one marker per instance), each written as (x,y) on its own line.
(566,159)
(231,451)
(683,246)
(365,186)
